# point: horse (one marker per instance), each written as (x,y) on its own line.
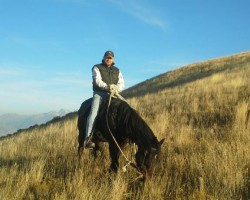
(118,123)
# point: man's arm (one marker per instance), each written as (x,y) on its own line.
(97,79)
(120,84)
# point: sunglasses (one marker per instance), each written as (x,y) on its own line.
(108,58)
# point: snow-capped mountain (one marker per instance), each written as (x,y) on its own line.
(10,123)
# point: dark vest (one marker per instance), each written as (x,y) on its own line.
(110,75)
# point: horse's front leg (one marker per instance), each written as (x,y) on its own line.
(114,155)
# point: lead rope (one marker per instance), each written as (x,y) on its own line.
(129,162)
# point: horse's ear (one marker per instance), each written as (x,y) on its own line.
(160,143)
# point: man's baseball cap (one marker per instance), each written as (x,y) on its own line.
(109,54)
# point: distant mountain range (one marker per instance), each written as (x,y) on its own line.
(10,123)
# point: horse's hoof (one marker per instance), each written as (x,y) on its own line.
(80,151)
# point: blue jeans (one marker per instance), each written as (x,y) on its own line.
(98,97)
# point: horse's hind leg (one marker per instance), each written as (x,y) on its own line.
(80,144)
(81,125)
(80,152)
(81,138)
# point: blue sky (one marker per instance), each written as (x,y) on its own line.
(48,47)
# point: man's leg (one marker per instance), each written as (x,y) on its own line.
(91,119)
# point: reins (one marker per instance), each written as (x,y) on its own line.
(129,162)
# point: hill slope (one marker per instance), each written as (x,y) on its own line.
(203,112)
(188,74)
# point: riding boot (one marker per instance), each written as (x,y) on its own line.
(88,143)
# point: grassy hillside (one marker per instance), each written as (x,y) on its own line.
(203,112)
(188,74)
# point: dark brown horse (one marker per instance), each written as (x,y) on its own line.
(125,125)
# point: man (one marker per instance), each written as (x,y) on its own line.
(106,79)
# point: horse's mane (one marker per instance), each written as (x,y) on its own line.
(131,123)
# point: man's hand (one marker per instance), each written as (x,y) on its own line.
(113,89)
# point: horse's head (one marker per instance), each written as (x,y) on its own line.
(146,159)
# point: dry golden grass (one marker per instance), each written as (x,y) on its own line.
(206,154)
